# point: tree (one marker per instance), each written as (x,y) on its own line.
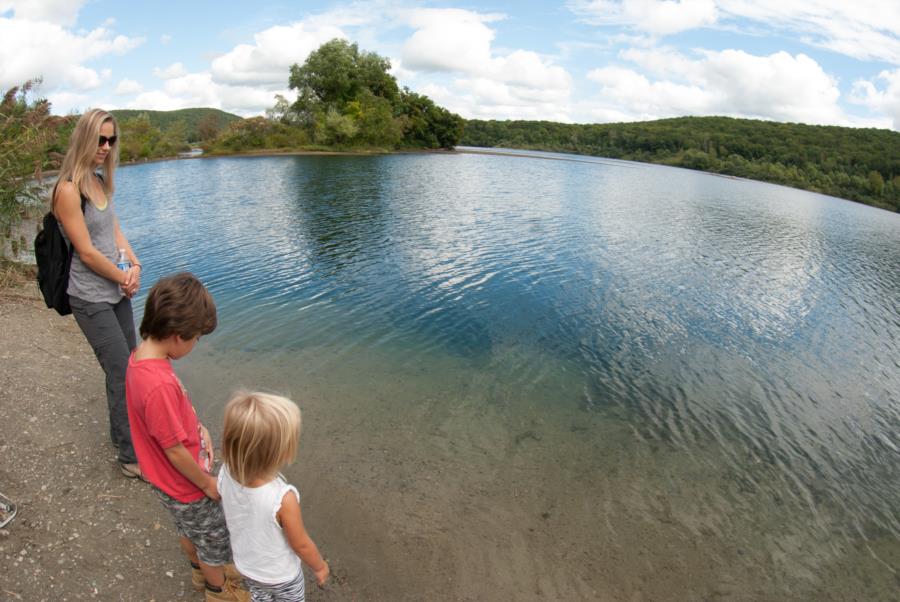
(428,125)
(208,127)
(139,138)
(376,121)
(335,74)
(876,182)
(173,140)
(335,128)
(281,111)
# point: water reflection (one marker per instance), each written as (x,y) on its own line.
(723,352)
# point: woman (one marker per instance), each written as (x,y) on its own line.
(99,292)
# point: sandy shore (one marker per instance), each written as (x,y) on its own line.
(83,531)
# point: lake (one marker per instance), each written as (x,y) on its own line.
(550,376)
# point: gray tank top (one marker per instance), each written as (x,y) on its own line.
(85,283)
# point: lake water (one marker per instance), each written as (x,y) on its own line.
(554,377)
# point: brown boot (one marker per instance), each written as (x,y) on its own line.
(231,592)
(198,581)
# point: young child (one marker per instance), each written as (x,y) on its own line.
(268,538)
(174,450)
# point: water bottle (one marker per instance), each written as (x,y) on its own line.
(123,263)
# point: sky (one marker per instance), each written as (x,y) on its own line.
(832,62)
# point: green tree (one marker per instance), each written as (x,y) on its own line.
(876,182)
(376,121)
(335,128)
(335,74)
(173,140)
(281,111)
(208,127)
(139,138)
(427,125)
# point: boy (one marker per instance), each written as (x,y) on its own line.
(174,450)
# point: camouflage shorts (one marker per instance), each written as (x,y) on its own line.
(203,524)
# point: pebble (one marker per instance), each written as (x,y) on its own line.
(170,574)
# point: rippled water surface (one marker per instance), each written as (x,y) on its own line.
(659,375)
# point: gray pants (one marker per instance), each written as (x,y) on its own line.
(109,328)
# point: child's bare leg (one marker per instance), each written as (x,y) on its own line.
(189,550)
(214,575)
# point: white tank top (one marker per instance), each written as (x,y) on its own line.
(261,551)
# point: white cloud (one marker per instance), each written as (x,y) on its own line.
(448,40)
(127,87)
(779,86)
(267,62)
(659,17)
(400,72)
(518,84)
(164,39)
(30,49)
(64,103)
(866,30)
(172,71)
(201,90)
(886,100)
(58,12)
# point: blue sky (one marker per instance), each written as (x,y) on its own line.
(812,61)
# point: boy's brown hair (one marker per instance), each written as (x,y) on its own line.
(178,305)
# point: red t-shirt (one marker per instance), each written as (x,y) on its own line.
(161,416)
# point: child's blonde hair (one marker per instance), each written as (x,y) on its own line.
(260,436)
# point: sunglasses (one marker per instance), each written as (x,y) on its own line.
(105,139)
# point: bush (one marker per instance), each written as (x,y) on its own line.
(27,134)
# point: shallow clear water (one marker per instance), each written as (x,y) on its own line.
(654,351)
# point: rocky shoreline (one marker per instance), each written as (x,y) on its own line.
(83,531)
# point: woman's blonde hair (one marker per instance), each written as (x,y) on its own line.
(78,164)
(260,436)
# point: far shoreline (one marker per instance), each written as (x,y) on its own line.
(465,150)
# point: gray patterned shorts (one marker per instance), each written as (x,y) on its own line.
(290,591)
(203,523)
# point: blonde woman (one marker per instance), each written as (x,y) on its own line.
(268,538)
(99,292)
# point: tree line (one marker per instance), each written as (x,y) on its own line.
(858,164)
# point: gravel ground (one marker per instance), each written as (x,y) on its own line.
(82,531)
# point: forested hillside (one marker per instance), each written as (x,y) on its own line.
(857,164)
(199,124)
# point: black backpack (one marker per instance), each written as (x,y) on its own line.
(54,258)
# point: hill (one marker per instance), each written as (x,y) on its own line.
(163,120)
(857,164)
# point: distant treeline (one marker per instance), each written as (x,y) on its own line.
(198,124)
(858,164)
